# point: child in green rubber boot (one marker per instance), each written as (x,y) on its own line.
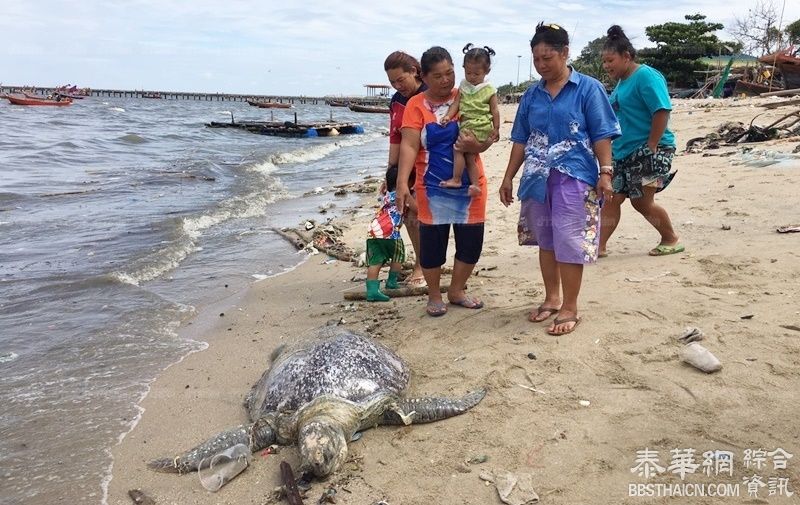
(384,243)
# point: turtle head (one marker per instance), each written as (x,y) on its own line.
(323,446)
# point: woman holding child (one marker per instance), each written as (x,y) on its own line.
(427,149)
(564,126)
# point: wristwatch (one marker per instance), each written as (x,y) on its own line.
(607,169)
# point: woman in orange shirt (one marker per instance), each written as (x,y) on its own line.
(427,148)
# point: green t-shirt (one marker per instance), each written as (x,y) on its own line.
(635,100)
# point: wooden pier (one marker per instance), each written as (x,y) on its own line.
(210,97)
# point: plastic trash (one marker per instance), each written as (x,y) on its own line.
(701,358)
(223,467)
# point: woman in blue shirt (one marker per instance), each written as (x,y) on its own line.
(564,125)
(643,154)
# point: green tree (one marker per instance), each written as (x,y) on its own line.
(590,61)
(792,32)
(679,45)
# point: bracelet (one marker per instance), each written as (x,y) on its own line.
(607,169)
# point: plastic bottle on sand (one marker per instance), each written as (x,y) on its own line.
(224,466)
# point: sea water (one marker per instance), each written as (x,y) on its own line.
(119,220)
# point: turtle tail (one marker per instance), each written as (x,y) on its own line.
(428,410)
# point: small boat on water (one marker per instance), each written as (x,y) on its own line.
(337,103)
(289,129)
(368,108)
(274,105)
(270,105)
(33,100)
(151,95)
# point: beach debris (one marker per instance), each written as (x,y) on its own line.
(701,358)
(531,355)
(477,460)
(529,388)
(140,498)
(691,334)
(790,327)
(584,403)
(793,228)
(726,227)
(325,238)
(760,158)
(290,484)
(513,489)
(319,391)
(328,496)
(734,132)
(309,225)
(217,470)
(648,279)
(747,316)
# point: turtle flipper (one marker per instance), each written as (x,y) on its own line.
(428,410)
(256,436)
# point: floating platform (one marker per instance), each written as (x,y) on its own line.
(290,129)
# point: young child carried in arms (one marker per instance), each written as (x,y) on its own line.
(476,105)
(384,242)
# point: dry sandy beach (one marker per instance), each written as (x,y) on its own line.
(738,284)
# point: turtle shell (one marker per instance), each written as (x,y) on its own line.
(333,361)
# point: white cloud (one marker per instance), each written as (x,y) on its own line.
(314,48)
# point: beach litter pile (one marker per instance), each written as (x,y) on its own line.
(736,132)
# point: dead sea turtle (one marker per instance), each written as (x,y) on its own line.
(318,394)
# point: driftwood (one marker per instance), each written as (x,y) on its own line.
(290,485)
(783,92)
(322,239)
(394,293)
(775,105)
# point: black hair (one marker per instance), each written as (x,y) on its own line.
(617,41)
(391,178)
(551,34)
(478,55)
(433,56)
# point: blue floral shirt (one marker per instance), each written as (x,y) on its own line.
(558,133)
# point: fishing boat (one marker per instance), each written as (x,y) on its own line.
(337,103)
(290,129)
(28,100)
(274,105)
(789,66)
(368,108)
(749,88)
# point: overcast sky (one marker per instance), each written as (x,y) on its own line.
(305,47)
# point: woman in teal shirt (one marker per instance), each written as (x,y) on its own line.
(643,154)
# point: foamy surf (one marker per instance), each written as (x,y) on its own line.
(7,357)
(320,151)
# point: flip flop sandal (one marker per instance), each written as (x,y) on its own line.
(541,309)
(556,322)
(436,309)
(663,250)
(416,282)
(468,302)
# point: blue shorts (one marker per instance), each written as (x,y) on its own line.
(433,240)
